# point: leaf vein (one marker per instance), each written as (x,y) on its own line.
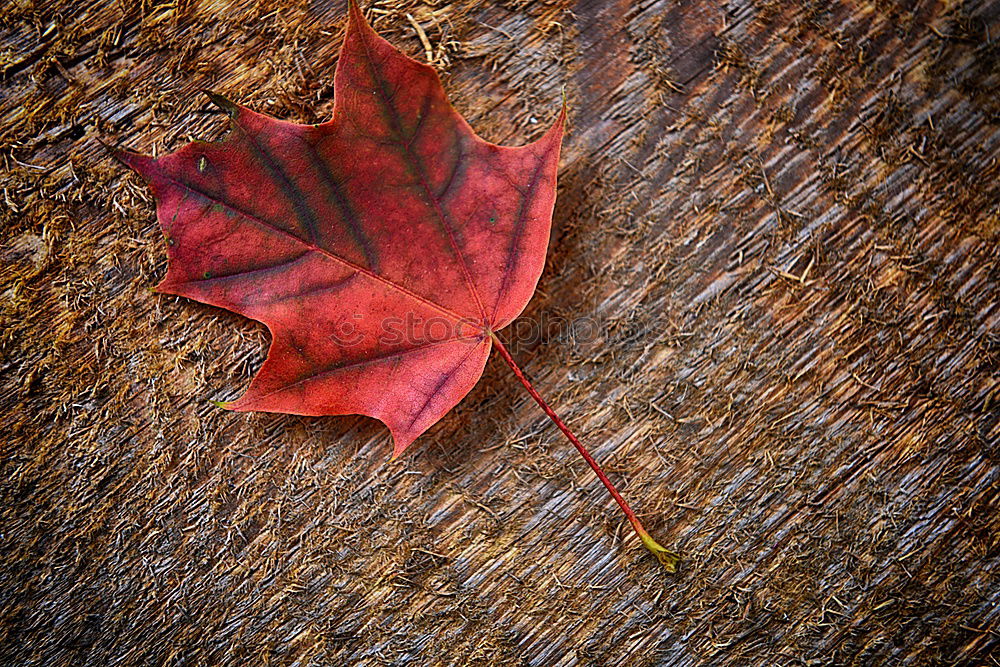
(354,363)
(326,253)
(415,164)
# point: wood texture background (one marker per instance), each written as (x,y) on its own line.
(770,308)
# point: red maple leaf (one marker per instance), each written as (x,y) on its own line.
(383,249)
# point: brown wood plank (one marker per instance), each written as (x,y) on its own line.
(770,307)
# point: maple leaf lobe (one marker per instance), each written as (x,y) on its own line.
(393,213)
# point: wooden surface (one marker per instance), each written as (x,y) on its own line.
(770,308)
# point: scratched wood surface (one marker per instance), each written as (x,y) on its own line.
(770,308)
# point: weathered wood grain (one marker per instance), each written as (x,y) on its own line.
(771,307)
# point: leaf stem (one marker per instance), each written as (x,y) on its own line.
(668,558)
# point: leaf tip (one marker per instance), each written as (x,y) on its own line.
(354,11)
(224,103)
(134,161)
(357,24)
(165,286)
(399,445)
(555,132)
(111,150)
